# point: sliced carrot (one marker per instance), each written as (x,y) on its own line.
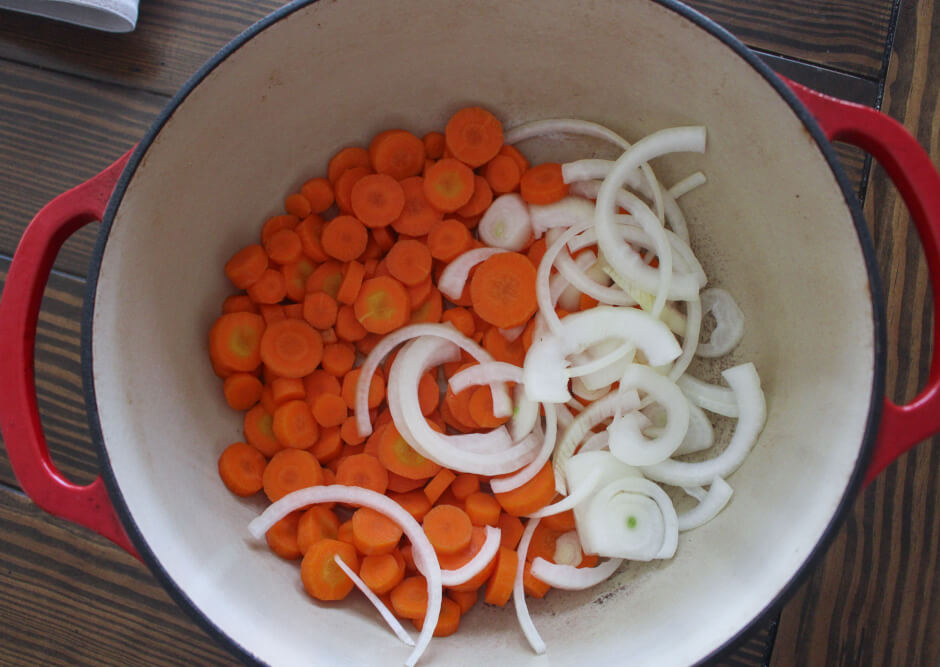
(589,560)
(235,341)
(277,223)
(320,310)
(448,239)
(282,537)
(320,382)
(289,470)
(246,266)
(347,326)
(345,533)
(323,579)
(479,201)
(543,184)
(465,484)
(502,173)
(269,288)
(481,408)
(562,522)
(586,302)
(461,319)
(267,397)
(517,156)
(382,572)
(464,599)
(414,502)
(329,446)
(439,484)
(430,311)
(499,586)
(238,303)
(272,312)
(294,426)
(291,348)
(309,231)
(428,393)
(242,390)
(409,261)
(482,508)
(241,467)
(287,389)
(344,238)
(543,543)
(433,145)
(377,200)
(536,252)
(374,533)
(418,294)
(329,410)
(448,528)
(362,470)
(511,530)
(347,158)
(531,496)
(448,620)
(294,311)
(283,246)
(349,431)
(527,335)
(384,238)
(533,585)
(338,358)
(503,290)
(502,350)
(448,184)
(398,153)
(399,484)
(418,217)
(295,278)
(410,597)
(376,389)
(398,457)
(352,282)
(342,191)
(259,431)
(319,194)
(474,135)
(382,305)
(315,524)
(460,559)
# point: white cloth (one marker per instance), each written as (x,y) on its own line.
(107,15)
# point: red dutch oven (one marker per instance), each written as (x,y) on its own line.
(777,224)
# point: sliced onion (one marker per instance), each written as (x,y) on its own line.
(570,299)
(595,443)
(542,289)
(729,322)
(719,493)
(568,549)
(531,469)
(525,414)
(565,212)
(631,518)
(518,591)
(577,495)
(475,565)
(700,436)
(693,324)
(711,397)
(752,411)
(455,274)
(569,578)
(512,333)
(424,555)
(387,615)
(580,280)
(613,370)
(506,223)
(485,373)
(580,390)
(668,313)
(687,184)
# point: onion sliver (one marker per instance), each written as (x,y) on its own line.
(579,279)
(752,411)
(568,549)
(729,322)
(542,275)
(525,414)
(502,404)
(454,276)
(569,578)
(631,518)
(424,555)
(707,396)
(476,564)
(719,493)
(565,212)
(577,495)
(595,443)
(627,441)
(512,333)
(693,324)
(687,184)
(531,469)
(518,591)
(485,373)
(387,615)
(580,390)
(700,436)
(506,223)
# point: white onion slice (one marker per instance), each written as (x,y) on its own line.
(752,411)
(580,280)
(484,373)
(700,436)
(613,370)
(570,299)
(454,276)
(475,565)
(711,397)
(518,591)
(595,443)
(568,549)
(693,324)
(576,496)
(719,493)
(729,323)
(424,555)
(631,518)
(668,313)
(506,223)
(580,390)
(565,212)
(387,615)
(542,275)
(525,414)
(531,469)
(512,333)
(569,578)
(687,184)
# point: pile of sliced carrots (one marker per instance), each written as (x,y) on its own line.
(356,255)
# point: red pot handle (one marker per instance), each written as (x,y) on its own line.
(916,178)
(26,445)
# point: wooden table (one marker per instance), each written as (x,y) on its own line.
(73,100)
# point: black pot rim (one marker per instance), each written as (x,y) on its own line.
(706,24)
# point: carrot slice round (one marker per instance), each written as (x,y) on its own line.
(503,290)
(291,348)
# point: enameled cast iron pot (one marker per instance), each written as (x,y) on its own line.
(777,224)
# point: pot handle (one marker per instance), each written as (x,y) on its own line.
(916,178)
(26,445)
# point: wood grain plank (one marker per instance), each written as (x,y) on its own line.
(57,131)
(847,35)
(175,37)
(72,598)
(875,598)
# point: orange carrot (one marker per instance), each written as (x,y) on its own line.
(295,278)
(374,533)
(284,246)
(338,358)
(238,303)
(461,319)
(235,341)
(362,470)
(376,389)
(344,186)
(410,597)
(242,390)
(433,145)
(319,194)
(479,201)
(377,200)
(511,530)
(465,484)
(474,136)
(439,484)
(320,382)
(499,586)
(543,543)
(448,621)
(502,174)
(398,153)
(418,294)
(259,432)
(277,223)
(347,326)
(462,558)
(315,524)
(428,394)
(287,389)
(503,290)
(329,445)
(272,312)
(448,239)
(430,311)
(531,496)
(482,508)
(533,586)
(282,537)
(448,184)
(241,467)
(352,282)
(329,410)
(382,572)
(320,310)
(464,599)
(323,579)
(517,156)
(246,266)
(481,408)
(536,251)
(309,231)
(502,350)
(344,238)
(382,305)
(294,426)
(448,528)
(398,457)
(267,398)
(291,348)
(543,184)
(418,217)
(409,261)
(399,484)
(562,522)
(269,288)
(347,158)
(414,502)
(345,533)
(289,470)
(349,431)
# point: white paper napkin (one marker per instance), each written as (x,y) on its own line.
(107,15)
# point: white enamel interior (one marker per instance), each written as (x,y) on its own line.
(771,225)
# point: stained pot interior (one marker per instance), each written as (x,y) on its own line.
(771,225)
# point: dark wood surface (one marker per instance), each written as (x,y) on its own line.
(72,100)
